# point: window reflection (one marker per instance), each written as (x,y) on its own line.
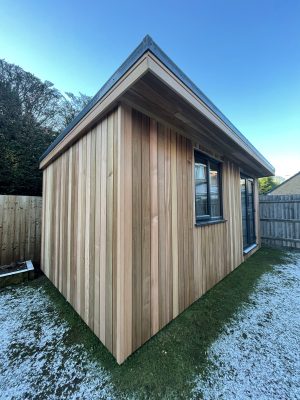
(201,189)
(207,188)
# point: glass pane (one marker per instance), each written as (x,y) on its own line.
(247,198)
(251,238)
(200,171)
(201,206)
(215,200)
(244,210)
(201,189)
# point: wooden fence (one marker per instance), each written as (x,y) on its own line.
(280,220)
(20,228)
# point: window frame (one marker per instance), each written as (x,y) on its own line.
(249,243)
(207,160)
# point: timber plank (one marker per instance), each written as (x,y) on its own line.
(174,228)
(120,239)
(103,228)
(154,228)
(136,229)
(109,235)
(162,225)
(145,230)
(91,222)
(127,211)
(97,236)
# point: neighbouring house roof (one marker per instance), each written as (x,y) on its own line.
(150,47)
(290,186)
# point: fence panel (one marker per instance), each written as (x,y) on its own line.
(280,220)
(20,228)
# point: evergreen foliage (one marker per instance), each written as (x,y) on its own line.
(32,114)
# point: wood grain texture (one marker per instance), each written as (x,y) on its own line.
(279,219)
(119,238)
(185,261)
(20,228)
(154,227)
(79,222)
(127,212)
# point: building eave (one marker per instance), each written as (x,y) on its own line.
(164,68)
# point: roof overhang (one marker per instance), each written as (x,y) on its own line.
(149,59)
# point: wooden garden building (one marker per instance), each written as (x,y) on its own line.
(149,199)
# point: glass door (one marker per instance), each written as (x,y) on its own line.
(248,217)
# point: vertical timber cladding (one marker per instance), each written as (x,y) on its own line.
(173,262)
(80,226)
(119,239)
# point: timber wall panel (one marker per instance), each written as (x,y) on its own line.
(119,239)
(79,226)
(173,261)
(20,228)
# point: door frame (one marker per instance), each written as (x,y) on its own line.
(250,241)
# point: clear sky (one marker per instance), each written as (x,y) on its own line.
(244,55)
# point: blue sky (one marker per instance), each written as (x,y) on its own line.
(244,55)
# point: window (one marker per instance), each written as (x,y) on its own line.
(208,205)
(248,211)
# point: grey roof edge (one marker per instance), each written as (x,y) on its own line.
(284,182)
(148,44)
(127,64)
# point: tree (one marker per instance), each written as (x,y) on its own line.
(32,113)
(268,183)
(39,100)
(72,105)
(22,141)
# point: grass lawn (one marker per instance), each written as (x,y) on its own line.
(240,340)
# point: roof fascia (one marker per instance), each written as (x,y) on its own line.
(171,79)
(120,72)
(78,129)
(170,69)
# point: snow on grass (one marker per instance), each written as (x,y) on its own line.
(257,356)
(35,361)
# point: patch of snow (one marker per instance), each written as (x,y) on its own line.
(35,363)
(258,354)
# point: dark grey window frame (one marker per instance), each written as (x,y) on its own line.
(208,219)
(250,240)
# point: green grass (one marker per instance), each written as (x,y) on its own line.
(165,366)
(166,362)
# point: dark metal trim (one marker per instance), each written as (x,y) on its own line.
(198,155)
(221,188)
(208,194)
(149,45)
(247,181)
(121,71)
(210,222)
